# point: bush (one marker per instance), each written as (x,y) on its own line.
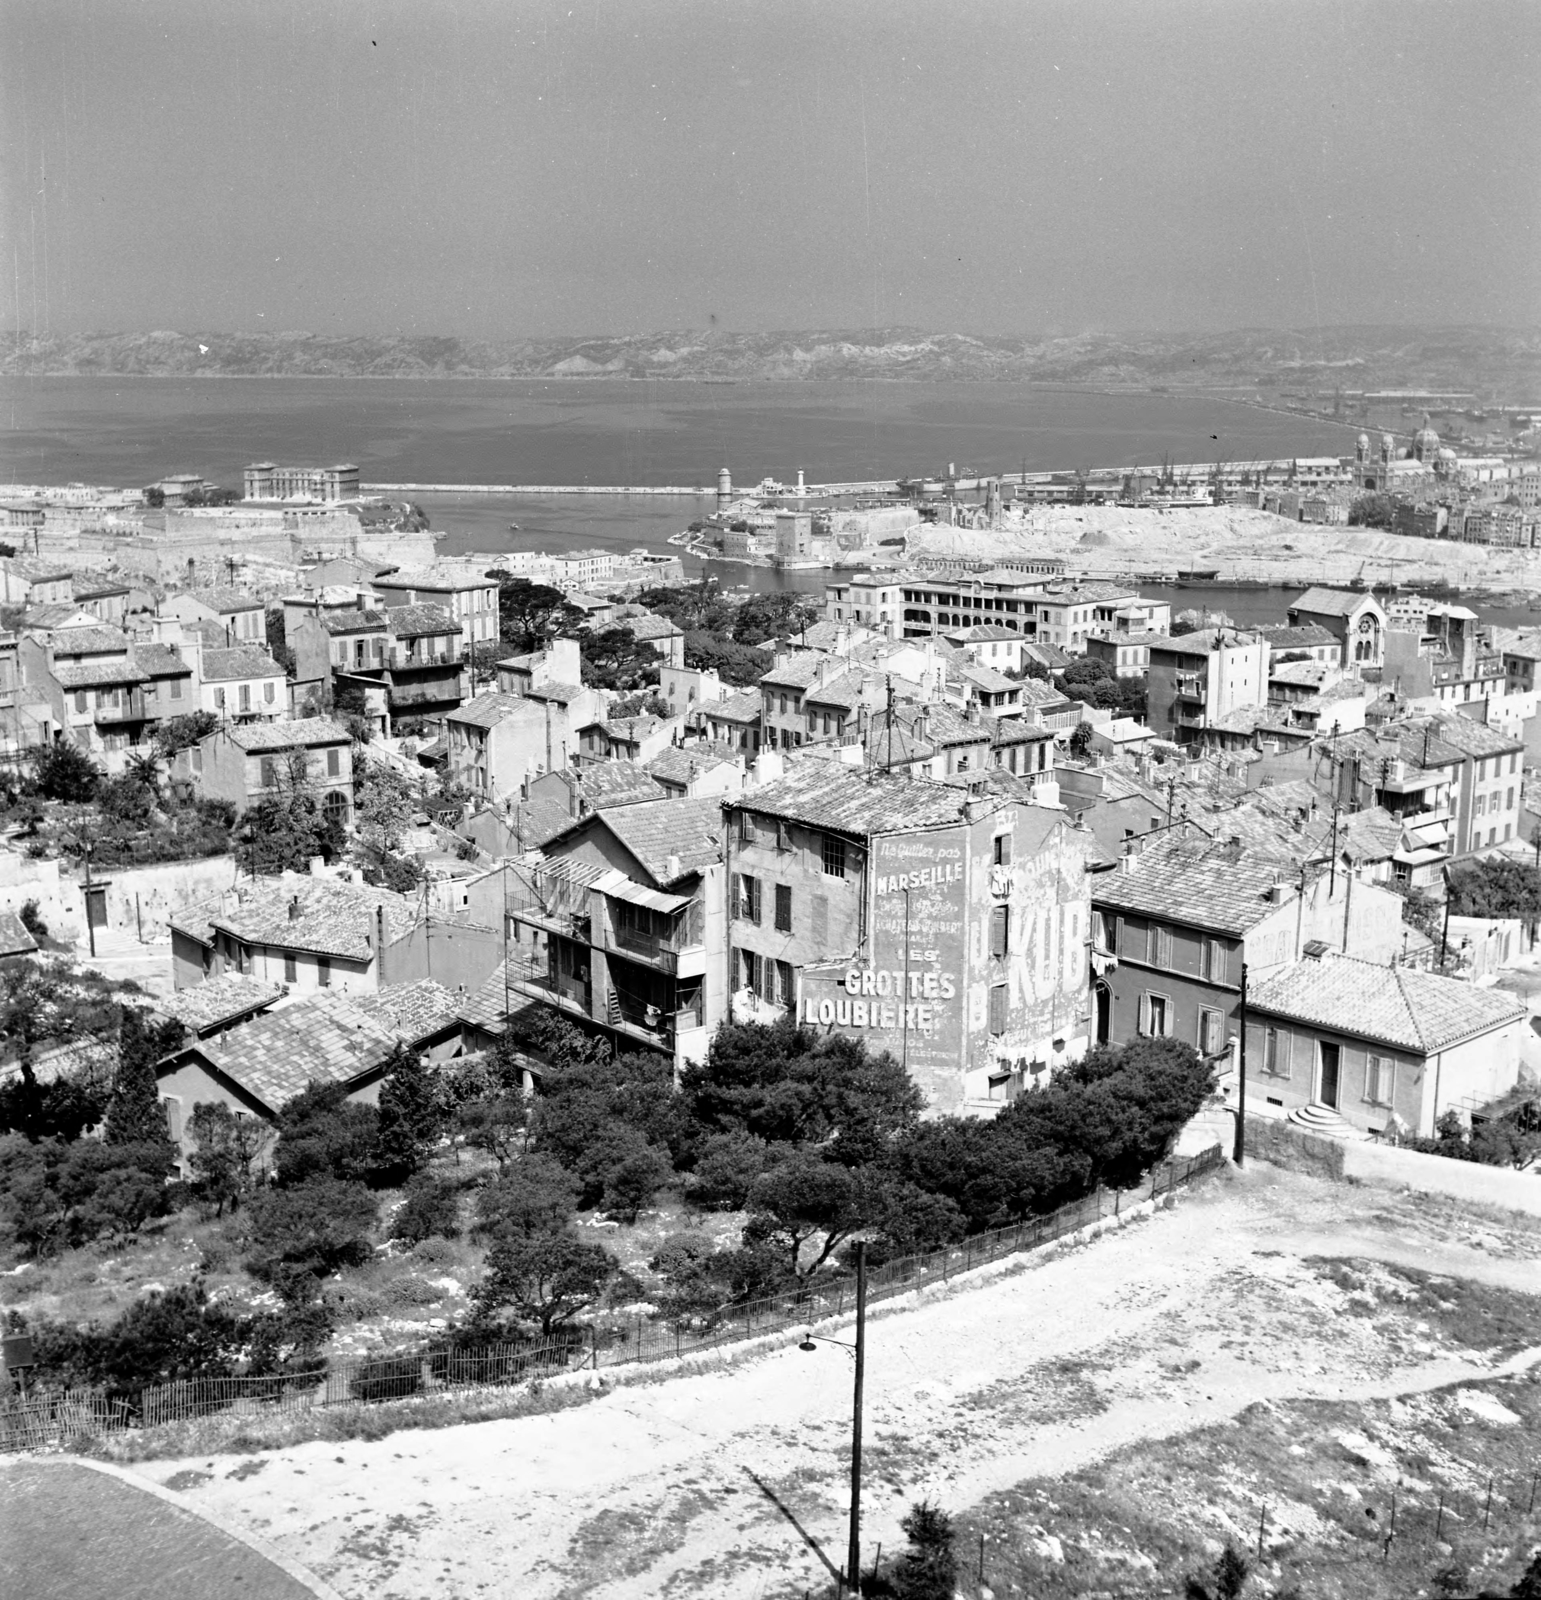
(387,1378)
(635,1179)
(431,1209)
(725,1171)
(32,921)
(322,1134)
(310,1230)
(436,1251)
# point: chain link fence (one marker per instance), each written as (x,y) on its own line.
(43,1417)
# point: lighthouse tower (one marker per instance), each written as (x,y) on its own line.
(724,488)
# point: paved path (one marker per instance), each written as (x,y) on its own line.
(71,1531)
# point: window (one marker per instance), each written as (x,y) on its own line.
(176,688)
(291,967)
(1379,1080)
(783,836)
(268,772)
(783,705)
(245,697)
(324,971)
(1000,850)
(219,699)
(1276,1053)
(997,1008)
(333,763)
(833,856)
(1211,1031)
(1509,800)
(173,1108)
(1215,962)
(80,699)
(786,985)
(267,691)
(1155,1016)
(1159,946)
(783,908)
(1481,805)
(745,828)
(747,900)
(1000,929)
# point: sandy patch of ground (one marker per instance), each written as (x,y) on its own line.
(734,1483)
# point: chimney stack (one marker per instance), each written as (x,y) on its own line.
(294,908)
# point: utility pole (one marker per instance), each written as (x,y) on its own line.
(853,1548)
(1239,1152)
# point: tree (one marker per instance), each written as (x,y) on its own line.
(784,1083)
(497,1124)
(534,1196)
(322,1134)
(635,1178)
(725,1170)
(1224,1581)
(310,1230)
(49,1003)
(701,1283)
(410,1119)
(1528,1587)
(431,1210)
(1080,743)
(135,1114)
(614,659)
(808,1201)
(928,1569)
(777,615)
(531,615)
(63,771)
(1420,910)
(1373,511)
(1496,886)
(226,1149)
(547,1278)
(285,831)
(384,805)
(740,665)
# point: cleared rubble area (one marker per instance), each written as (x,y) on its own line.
(1247,1292)
(1237,542)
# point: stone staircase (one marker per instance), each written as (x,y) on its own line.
(1317,1118)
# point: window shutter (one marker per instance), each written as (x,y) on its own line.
(1003,849)
(1145,1014)
(783,908)
(1000,922)
(998,1008)
(818,917)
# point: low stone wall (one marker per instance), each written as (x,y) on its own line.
(1385,1166)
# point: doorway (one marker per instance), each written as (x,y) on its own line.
(1327,1093)
(1104,1013)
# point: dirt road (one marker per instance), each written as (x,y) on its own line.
(734,1484)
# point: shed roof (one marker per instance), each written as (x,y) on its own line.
(300,733)
(413,621)
(656,830)
(239,661)
(828,794)
(1215,884)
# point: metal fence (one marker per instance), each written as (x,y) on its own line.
(49,1417)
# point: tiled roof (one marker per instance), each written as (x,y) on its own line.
(161,661)
(54,615)
(1370,835)
(1205,884)
(616,783)
(14,938)
(321,1039)
(1399,1006)
(206,1005)
(410,1011)
(351,621)
(987,678)
(227,601)
(288,735)
(561,694)
(1470,737)
(87,674)
(239,661)
(680,762)
(1331,602)
(798,672)
(742,707)
(1418,744)
(413,621)
(101,591)
(828,794)
(1199,643)
(983,632)
(843,692)
(1307,673)
(98,641)
(1281,636)
(487,710)
(824,634)
(442,578)
(487,1007)
(301,913)
(649,627)
(211,630)
(655,830)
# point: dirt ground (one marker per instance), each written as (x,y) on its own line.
(733,1484)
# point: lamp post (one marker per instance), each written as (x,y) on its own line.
(852,1579)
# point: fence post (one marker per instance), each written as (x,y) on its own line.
(1439,1521)
(1487,1505)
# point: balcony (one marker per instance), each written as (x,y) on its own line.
(661,930)
(127,708)
(546,900)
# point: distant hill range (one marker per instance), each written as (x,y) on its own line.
(1490,362)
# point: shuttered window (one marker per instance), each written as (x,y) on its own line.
(746,899)
(1216,968)
(1276,1052)
(998,1008)
(783,908)
(1211,1031)
(1002,850)
(1000,929)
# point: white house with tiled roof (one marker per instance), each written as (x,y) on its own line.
(244,762)
(242,683)
(1385,1048)
(460,588)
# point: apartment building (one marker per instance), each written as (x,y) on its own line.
(247,762)
(242,616)
(459,588)
(1196,681)
(947,929)
(620,922)
(242,684)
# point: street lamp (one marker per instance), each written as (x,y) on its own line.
(811,1341)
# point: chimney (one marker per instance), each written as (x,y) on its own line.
(1129,861)
(294,908)
(671,868)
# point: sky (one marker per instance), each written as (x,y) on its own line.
(504,169)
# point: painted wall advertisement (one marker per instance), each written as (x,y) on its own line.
(908,996)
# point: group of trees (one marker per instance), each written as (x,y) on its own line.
(1496,886)
(1095,683)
